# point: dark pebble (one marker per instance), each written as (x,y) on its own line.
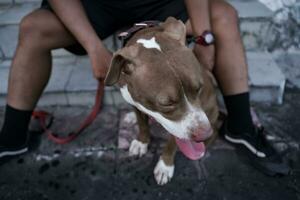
(55,163)
(44,168)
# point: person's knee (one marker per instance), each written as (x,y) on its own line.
(224,15)
(32,31)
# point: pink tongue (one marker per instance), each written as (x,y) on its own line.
(191,149)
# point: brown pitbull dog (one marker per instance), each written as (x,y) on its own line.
(163,79)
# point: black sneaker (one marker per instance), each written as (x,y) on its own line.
(12,151)
(258,150)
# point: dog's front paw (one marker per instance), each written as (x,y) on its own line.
(163,173)
(138,148)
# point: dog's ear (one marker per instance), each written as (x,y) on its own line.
(122,60)
(175,29)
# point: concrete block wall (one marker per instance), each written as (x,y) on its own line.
(72,82)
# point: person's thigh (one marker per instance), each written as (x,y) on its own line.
(102,16)
(43,29)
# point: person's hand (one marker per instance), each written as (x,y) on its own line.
(100,59)
(205,55)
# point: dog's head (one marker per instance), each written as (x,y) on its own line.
(161,77)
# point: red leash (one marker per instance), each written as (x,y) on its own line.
(42,115)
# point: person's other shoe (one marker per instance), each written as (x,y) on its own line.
(258,150)
(12,151)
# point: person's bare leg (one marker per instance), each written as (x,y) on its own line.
(230,68)
(40,32)
(229,64)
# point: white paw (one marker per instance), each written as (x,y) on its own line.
(130,118)
(137,148)
(163,173)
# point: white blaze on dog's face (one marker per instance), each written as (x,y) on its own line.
(149,43)
(162,78)
(190,122)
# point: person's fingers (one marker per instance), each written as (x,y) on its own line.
(100,64)
(99,73)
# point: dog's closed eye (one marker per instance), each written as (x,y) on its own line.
(166,101)
(199,89)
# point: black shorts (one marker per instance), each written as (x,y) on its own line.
(108,16)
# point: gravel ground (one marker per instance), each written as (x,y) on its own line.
(93,167)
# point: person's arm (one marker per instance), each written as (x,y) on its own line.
(199,13)
(73,16)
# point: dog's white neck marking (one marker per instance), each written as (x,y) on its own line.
(149,44)
(179,128)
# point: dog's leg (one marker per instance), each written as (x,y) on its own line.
(139,146)
(164,169)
